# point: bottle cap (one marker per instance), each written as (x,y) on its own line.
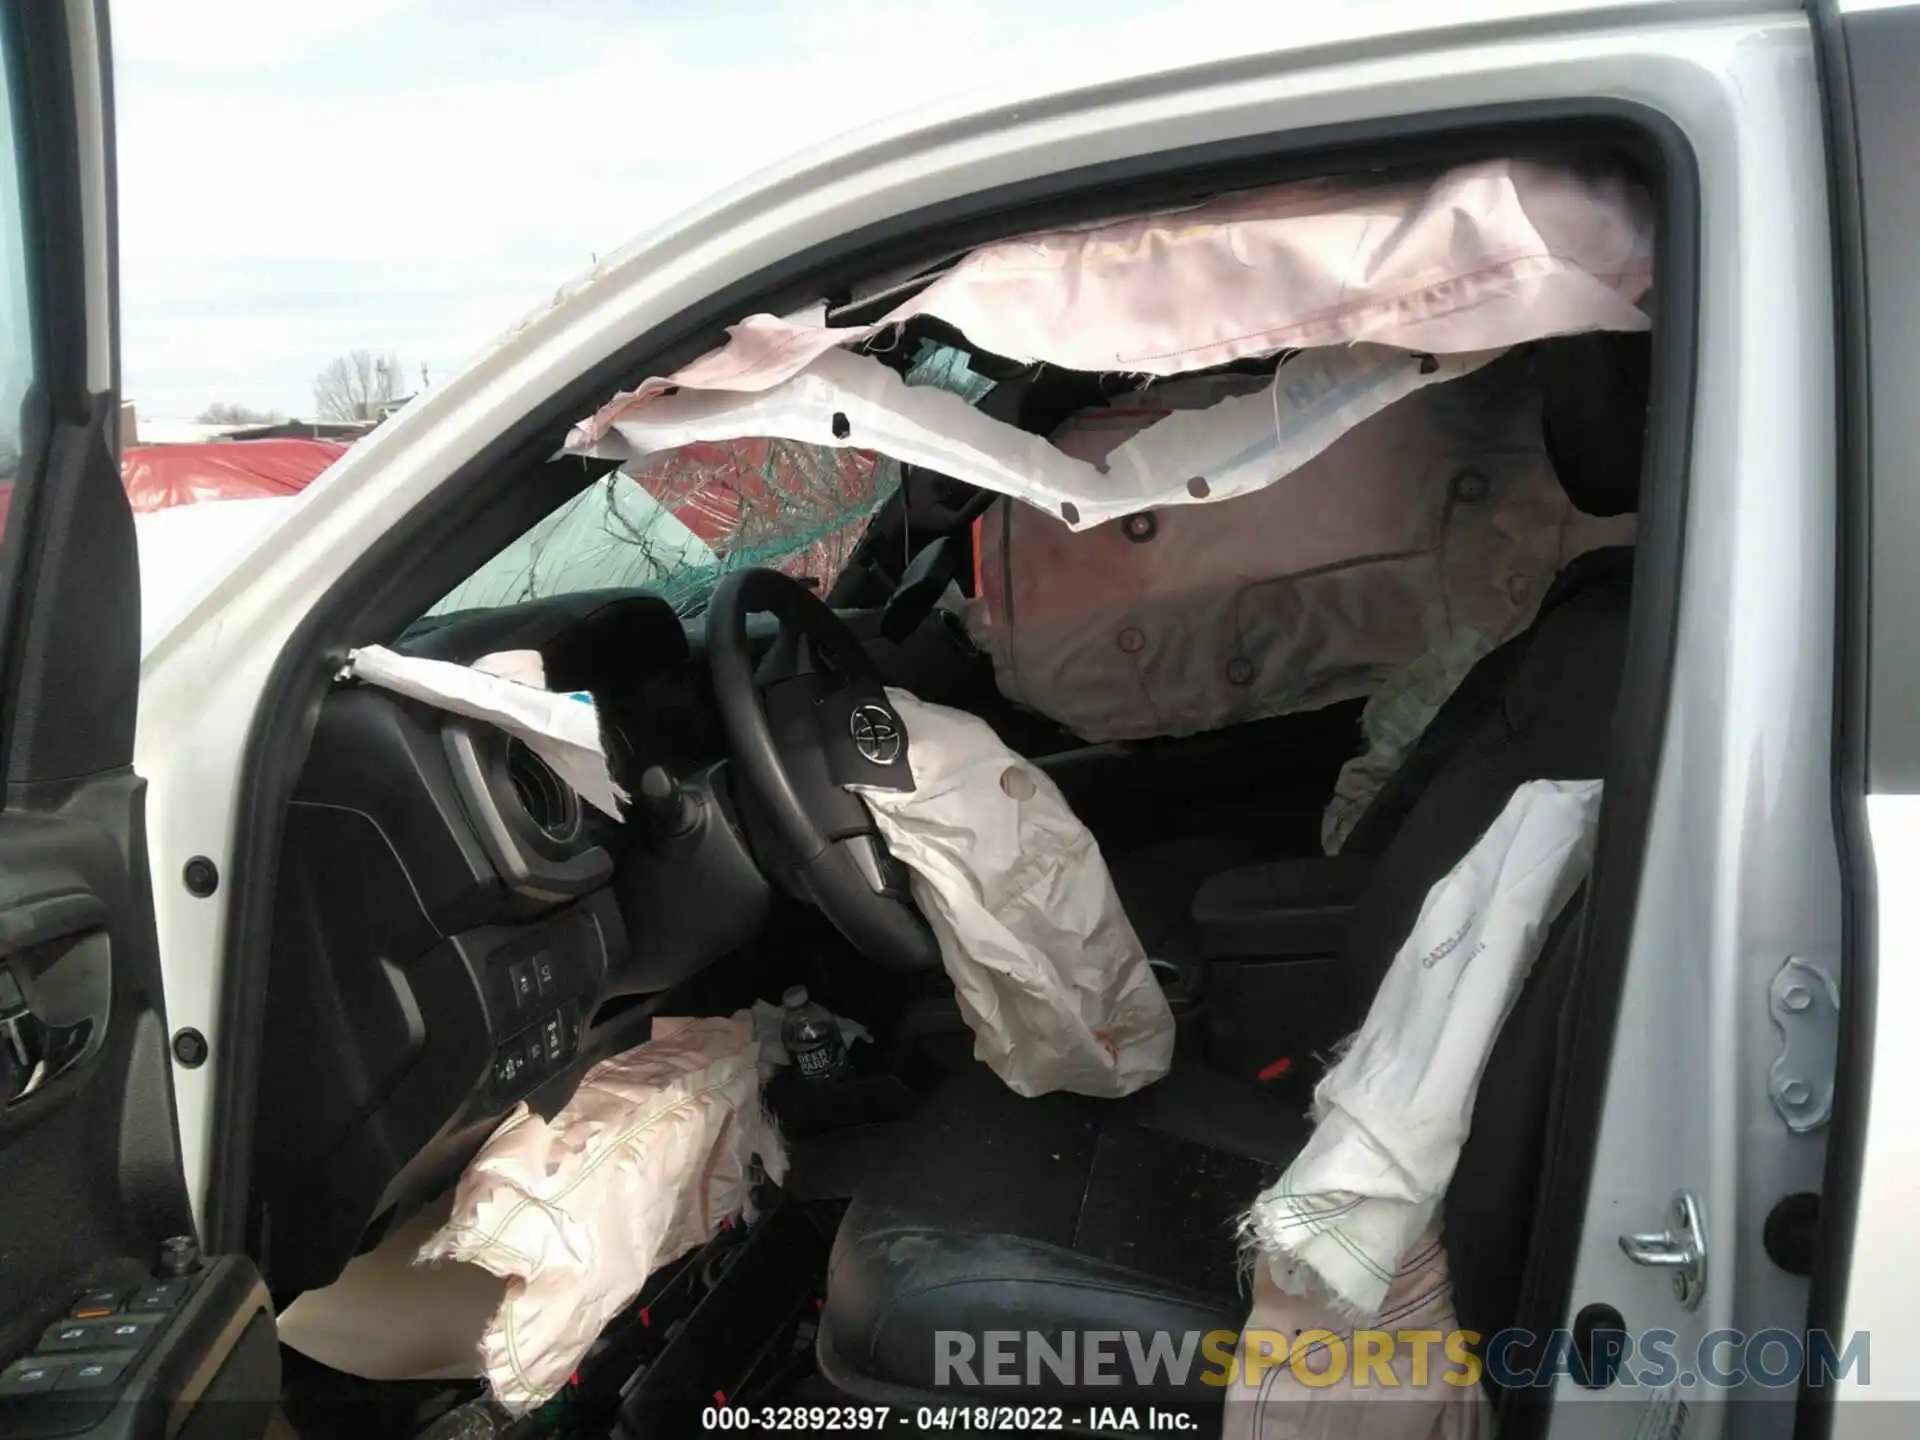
(179,1255)
(795,997)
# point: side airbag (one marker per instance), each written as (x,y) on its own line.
(1393,1114)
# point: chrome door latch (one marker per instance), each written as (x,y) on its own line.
(1681,1248)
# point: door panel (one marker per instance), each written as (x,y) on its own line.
(109,1320)
(86,1074)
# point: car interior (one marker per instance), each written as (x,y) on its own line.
(454,933)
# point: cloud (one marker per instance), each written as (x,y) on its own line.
(414,175)
(236,35)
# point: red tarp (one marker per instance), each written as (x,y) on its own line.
(158,476)
(797,507)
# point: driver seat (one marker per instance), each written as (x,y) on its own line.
(1070,1215)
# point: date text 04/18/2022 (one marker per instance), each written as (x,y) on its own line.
(942,1419)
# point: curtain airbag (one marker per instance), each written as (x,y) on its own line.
(1384,285)
(1479,258)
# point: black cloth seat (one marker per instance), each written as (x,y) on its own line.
(1065,1214)
(1158,883)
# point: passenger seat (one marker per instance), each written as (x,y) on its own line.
(1593,418)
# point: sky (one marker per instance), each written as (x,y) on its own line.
(410,176)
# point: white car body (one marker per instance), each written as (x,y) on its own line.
(1742,868)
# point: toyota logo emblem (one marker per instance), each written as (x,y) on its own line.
(876,733)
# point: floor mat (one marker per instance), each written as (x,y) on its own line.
(833,1166)
(1168,1207)
(321,1403)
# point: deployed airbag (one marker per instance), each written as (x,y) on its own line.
(1435,528)
(1238,445)
(1046,967)
(387,1318)
(562,729)
(1297,1373)
(1385,285)
(643,1164)
(1478,258)
(1394,1112)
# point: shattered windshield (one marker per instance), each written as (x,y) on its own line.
(675,522)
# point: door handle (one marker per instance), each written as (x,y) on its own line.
(47,918)
(56,989)
(1680,1248)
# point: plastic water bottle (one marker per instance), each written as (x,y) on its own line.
(812,1037)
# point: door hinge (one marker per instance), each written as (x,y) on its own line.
(1804,1000)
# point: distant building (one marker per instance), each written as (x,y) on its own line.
(135,431)
(173,432)
(345,430)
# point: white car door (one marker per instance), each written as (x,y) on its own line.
(1869,1256)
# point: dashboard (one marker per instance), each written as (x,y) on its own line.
(456,933)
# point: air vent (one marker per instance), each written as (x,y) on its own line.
(549,802)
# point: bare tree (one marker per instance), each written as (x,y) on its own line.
(357,386)
(226,412)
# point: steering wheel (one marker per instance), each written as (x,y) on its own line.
(814,720)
